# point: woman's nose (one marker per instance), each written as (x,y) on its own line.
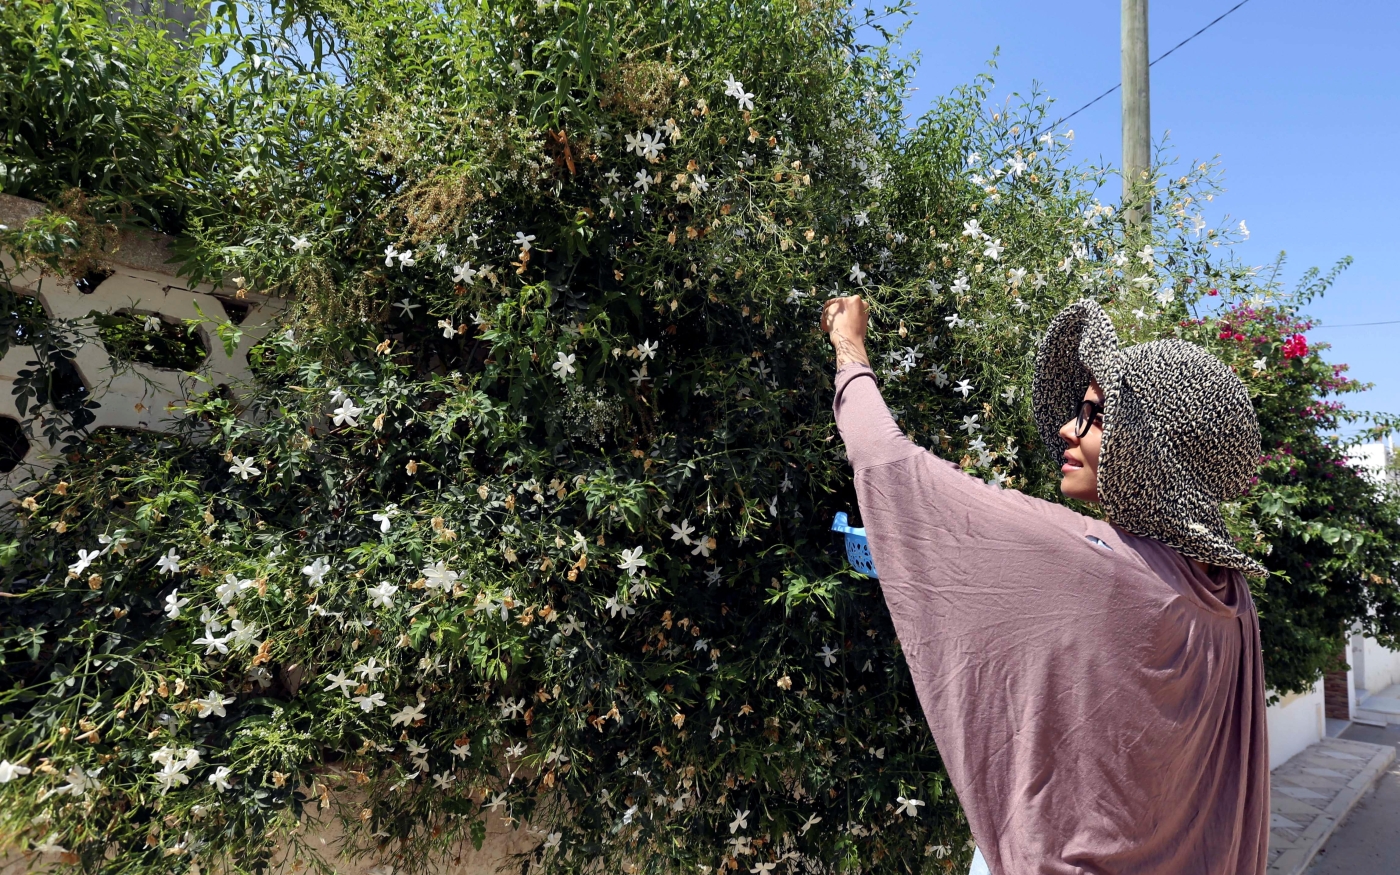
(1067,433)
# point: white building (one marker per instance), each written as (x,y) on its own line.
(1377,460)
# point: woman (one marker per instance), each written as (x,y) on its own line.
(1094,687)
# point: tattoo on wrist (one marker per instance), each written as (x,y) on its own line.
(848,351)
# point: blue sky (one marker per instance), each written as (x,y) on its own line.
(1300,101)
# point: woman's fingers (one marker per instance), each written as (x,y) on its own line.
(836,308)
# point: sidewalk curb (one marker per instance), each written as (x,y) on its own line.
(1294,861)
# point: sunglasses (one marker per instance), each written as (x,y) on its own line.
(1085,415)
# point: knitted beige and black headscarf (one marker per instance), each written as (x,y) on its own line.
(1179,436)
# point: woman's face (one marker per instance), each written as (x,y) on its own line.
(1080,471)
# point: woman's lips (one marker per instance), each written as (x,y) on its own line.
(1071,464)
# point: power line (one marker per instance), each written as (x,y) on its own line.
(1356,324)
(1159,57)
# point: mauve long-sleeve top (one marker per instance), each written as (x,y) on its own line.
(1098,700)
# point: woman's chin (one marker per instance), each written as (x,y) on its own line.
(1072,487)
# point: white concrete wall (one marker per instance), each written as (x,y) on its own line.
(1374,667)
(1294,723)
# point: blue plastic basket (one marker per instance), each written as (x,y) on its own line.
(857,547)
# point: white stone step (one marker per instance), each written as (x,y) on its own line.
(1378,709)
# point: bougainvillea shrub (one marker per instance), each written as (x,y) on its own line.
(530,515)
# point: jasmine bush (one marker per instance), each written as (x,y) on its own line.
(529,516)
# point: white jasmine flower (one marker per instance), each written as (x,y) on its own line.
(300,244)
(438,576)
(828,655)
(643,181)
(220,778)
(407,306)
(1146,256)
(647,349)
(857,275)
(443,779)
(972,228)
(960,285)
(230,588)
(390,253)
(244,633)
(316,571)
(169,563)
(735,89)
(615,607)
(115,543)
(703,546)
(173,604)
(213,704)
(963,386)
(346,414)
(463,273)
(79,782)
(994,249)
(524,240)
(341,682)
(211,643)
(682,532)
(1009,394)
(970,424)
(9,771)
(632,561)
(447,330)
(406,259)
(85,558)
(244,468)
(383,518)
(382,596)
(370,702)
(651,146)
(407,715)
(564,366)
(740,821)
(909,807)
(370,669)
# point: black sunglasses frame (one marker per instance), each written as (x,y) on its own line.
(1083,422)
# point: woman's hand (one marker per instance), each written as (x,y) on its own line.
(844,320)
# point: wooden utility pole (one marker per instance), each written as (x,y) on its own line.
(1137,116)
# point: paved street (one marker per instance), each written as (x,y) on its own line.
(1368,841)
